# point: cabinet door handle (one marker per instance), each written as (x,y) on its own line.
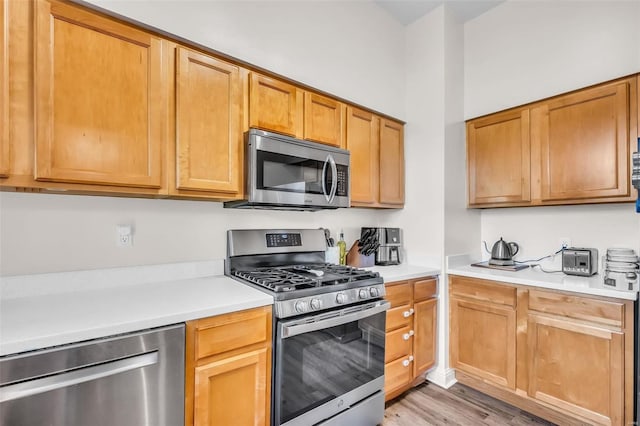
(408,361)
(408,313)
(407,336)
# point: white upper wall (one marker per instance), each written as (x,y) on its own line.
(354,50)
(351,49)
(523,51)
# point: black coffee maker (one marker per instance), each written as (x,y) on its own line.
(390,245)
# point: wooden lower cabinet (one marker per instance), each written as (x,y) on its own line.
(410,342)
(483,340)
(228,369)
(564,357)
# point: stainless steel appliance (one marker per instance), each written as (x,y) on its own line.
(329,327)
(389,242)
(580,261)
(128,380)
(502,253)
(291,174)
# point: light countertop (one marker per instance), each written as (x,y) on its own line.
(461,265)
(29,321)
(404,272)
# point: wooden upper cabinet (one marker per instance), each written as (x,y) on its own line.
(100,107)
(391,163)
(4,88)
(209,148)
(584,142)
(569,149)
(324,120)
(577,368)
(363,142)
(275,105)
(498,159)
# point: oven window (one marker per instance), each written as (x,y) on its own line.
(316,367)
(286,173)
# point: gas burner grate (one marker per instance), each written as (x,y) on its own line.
(302,276)
(276,279)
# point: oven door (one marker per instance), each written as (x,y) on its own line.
(288,171)
(327,363)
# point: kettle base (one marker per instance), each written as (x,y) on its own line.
(501,262)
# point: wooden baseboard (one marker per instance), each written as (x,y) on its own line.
(523,402)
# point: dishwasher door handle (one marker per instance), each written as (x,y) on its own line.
(74,377)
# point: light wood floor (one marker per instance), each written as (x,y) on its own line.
(429,404)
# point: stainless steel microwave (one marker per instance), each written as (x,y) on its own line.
(291,174)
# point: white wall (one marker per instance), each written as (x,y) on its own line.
(522,51)
(351,49)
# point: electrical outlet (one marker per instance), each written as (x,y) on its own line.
(124,237)
(564,242)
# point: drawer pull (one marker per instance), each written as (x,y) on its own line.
(407,336)
(406,362)
(408,313)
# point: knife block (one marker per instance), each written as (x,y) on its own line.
(354,258)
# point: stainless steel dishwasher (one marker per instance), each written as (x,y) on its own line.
(127,380)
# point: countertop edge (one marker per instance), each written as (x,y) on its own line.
(615,294)
(49,341)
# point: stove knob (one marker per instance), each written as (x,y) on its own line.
(341,298)
(363,294)
(374,292)
(301,306)
(316,304)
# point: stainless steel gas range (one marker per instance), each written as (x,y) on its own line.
(329,327)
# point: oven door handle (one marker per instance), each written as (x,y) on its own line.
(312,325)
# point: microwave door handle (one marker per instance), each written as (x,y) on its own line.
(324,179)
(334,181)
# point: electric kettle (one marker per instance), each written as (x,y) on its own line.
(502,253)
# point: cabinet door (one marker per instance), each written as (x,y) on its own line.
(424,344)
(324,120)
(391,163)
(100,103)
(576,367)
(363,143)
(398,343)
(583,141)
(498,159)
(275,105)
(483,341)
(208,133)
(4,88)
(398,374)
(233,391)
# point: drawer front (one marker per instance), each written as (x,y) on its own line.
(400,316)
(424,289)
(398,343)
(397,374)
(398,293)
(578,307)
(473,288)
(232,331)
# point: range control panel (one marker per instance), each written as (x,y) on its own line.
(284,240)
